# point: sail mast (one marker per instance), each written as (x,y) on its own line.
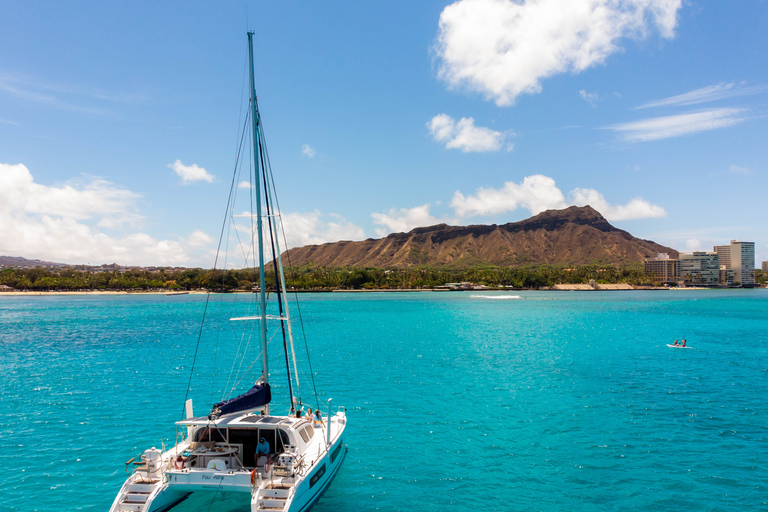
(256,122)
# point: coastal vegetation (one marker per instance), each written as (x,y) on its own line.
(319,278)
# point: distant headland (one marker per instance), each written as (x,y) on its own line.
(575,248)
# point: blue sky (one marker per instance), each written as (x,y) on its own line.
(119,122)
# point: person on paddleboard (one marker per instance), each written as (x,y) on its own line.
(675,342)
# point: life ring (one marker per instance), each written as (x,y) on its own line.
(178,463)
(253,477)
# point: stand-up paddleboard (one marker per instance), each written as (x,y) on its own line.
(677,346)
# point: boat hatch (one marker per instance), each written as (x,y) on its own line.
(261,419)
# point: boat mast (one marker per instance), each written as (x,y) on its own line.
(256,126)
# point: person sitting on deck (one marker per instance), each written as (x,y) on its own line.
(261,449)
(318,419)
(298,413)
(309,416)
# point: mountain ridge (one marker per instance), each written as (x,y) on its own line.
(571,236)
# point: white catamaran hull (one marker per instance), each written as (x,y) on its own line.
(168,485)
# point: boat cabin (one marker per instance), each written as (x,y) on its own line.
(233,438)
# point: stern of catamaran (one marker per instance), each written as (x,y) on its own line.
(219,457)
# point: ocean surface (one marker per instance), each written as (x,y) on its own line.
(508,401)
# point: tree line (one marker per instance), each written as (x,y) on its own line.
(319,278)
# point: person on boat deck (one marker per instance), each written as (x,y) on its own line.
(318,419)
(298,413)
(261,449)
(309,416)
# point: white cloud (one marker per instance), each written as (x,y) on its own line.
(307,150)
(315,228)
(665,127)
(61,223)
(190,173)
(538,193)
(199,239)
(635,209)
(244,184)
(705,94)
(464,135)
(693,244)
(504,48)
(737,169)
(405,219)
(589,97)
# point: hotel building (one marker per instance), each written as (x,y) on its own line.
(662,269)
(740,258)
(700,268)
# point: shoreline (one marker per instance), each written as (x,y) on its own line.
(95,292)
(557,288)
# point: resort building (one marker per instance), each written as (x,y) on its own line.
(726,276)
(765,266)
(740,258)
(700,268)
(662,269)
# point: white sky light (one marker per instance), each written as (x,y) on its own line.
(118,130)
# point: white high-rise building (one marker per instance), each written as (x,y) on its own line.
(743,262)
(740,258)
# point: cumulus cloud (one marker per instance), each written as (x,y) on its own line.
(315,228)
(705,94)
(405,219)
(464,135)
(635,209)
(65,223)
(199,238)
(307,150)
(665,127)
(504,48)
(190,173)
(244,184)
(538,193)
(693,244)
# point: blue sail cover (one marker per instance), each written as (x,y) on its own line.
(257,396)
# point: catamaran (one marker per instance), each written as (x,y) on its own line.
(278,463)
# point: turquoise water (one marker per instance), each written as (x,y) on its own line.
(456,401)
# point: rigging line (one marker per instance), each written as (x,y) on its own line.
(275,257)
(296,298)
(230,377)
(280,262)
(222,300)
(252,363)
(232,370)
(208,295)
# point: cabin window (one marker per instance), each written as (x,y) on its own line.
(310,432)
(206,434)
(284,439)
(304,435)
